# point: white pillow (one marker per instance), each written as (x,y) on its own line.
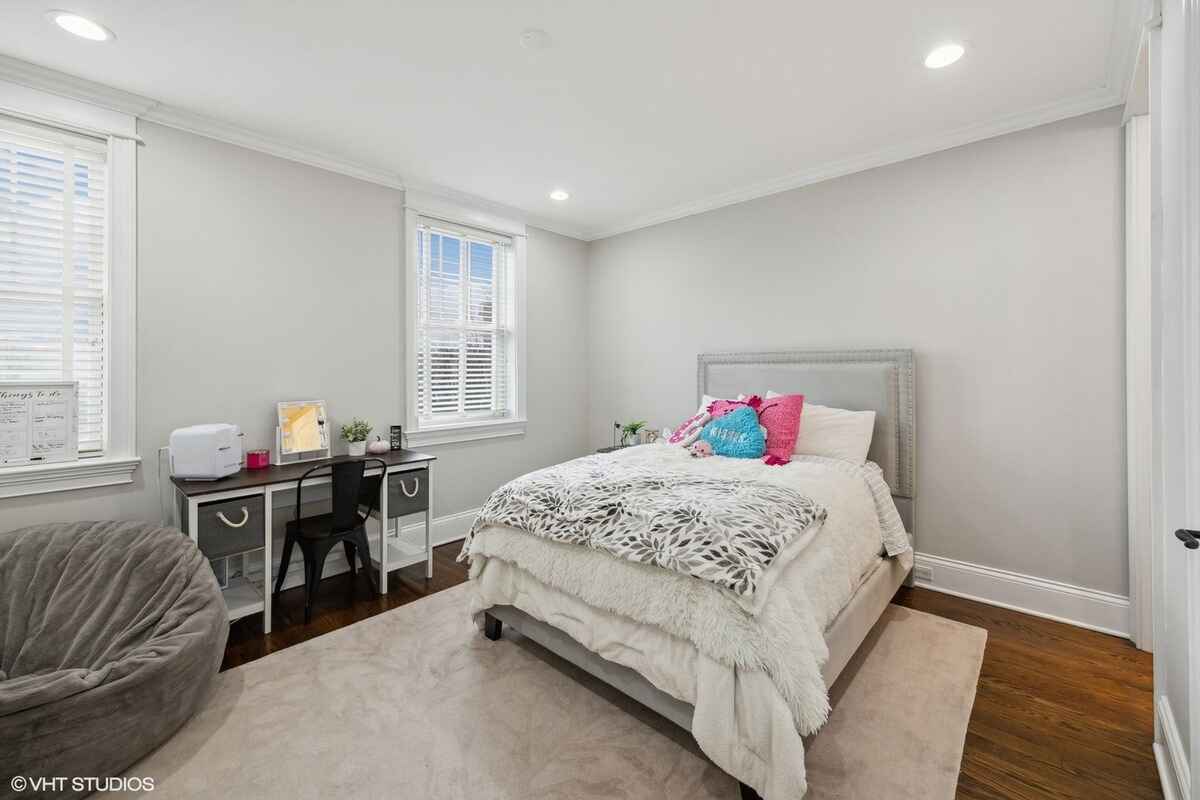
(834,432)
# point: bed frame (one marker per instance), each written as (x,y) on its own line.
(863,380)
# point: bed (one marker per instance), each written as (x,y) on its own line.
(747,708)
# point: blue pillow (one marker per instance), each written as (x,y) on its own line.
(737,434)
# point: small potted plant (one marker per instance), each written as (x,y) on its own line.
(629,432)
(355,433)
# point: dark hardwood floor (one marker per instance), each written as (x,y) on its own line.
(339,603)
(1060,712)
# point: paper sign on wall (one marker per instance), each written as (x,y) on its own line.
(39,423)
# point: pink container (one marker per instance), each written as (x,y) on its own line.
(258,459)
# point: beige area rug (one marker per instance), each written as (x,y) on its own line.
(415,703)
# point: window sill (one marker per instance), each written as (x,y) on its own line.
(86,473)
(467,432)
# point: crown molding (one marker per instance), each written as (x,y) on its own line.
(63,84)
(1095,100)
(211,128)
(499,209)
(1128,22)
(1130,16)
(60,83)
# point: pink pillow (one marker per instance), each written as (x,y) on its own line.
(781,417)
(689,431)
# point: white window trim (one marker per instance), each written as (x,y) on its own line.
(417,205)
(120,459)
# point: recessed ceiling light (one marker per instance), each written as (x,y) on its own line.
(559,195)
(944,55)
(80,26)
(535,39)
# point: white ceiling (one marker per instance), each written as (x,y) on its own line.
(643,111)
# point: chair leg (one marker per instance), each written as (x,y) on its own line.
(310,581)
(364,552)
(315,553)
(285,561)
(348,548)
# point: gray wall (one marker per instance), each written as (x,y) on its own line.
(261,280)
(1000,263)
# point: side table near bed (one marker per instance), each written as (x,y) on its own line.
(231,519)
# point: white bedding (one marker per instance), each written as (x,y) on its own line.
(755,682)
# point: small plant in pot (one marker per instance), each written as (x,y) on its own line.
(355,433)
(630,431)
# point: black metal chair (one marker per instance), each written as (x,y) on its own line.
(317,535)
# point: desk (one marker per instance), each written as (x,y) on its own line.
(243,504)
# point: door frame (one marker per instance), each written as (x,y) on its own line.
(1189,266)
(1175,342)
(1139,371)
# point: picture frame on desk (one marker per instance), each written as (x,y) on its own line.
(301,432)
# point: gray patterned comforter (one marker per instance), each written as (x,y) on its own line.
(720,530)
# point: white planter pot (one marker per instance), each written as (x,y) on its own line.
(356,448)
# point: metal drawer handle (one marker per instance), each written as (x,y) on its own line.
(416,487)
(245,518)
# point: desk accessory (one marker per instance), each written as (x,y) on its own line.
(355,433)
(206,452)
(258,459)
(301,432)
(396,439)
(377,447)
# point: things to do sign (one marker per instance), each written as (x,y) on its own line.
(39,423)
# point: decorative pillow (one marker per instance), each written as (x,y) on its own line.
(834,432)
(719,408)
(736,434)
(689,431)
(780,415)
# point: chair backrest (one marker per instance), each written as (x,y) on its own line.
(346,479)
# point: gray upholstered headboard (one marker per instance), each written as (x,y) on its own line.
(862,380)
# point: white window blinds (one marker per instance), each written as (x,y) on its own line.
(464,324)
(53,195)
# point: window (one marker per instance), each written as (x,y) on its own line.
(465,346)
(68,233)
(53,198)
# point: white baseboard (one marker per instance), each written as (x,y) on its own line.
(1173,771)
(1062,602)
(449,528)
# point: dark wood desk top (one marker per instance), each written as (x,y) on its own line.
(253,478)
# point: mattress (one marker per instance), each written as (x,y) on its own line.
(668,662)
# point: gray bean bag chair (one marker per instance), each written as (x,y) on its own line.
(110,636)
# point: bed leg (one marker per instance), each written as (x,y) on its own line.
(492,626)
(746,793)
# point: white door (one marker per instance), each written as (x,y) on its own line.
(1175,113)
